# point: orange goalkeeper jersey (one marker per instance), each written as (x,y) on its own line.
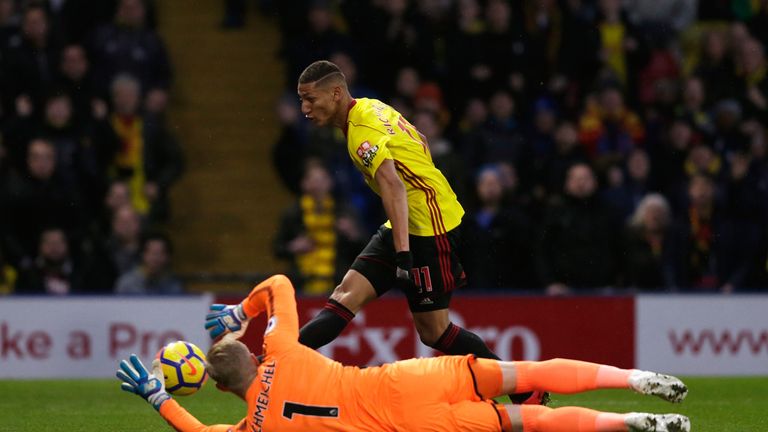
(376,132)
(297,388)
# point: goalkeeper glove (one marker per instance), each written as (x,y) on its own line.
(138,381)
(223,319)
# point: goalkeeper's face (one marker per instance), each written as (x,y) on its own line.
(319,102)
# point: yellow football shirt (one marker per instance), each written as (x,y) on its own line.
(376,132)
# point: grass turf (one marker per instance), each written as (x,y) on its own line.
(713,404)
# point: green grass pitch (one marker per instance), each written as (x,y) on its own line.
(713,404)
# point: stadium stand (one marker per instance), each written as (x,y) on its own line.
(669,100)
(84,137)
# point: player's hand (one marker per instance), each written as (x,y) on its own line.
(137,380)
(404,263)
(223,319)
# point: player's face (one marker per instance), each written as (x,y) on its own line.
(318,103)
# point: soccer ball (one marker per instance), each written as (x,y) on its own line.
(183,365)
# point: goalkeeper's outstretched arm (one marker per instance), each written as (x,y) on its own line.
(182,421)
(150,386)
(276,297)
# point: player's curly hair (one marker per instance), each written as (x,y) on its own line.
(319,71)
(229,363)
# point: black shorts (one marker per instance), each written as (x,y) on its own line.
(435,262)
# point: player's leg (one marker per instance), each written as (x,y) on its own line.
(428,390)
(347,299)
(571,376)
(440,272)
(425,386)
(532,418)
(371,275)
(468,416)
(436,330)
(455,340)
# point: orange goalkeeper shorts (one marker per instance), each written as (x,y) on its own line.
(445,394)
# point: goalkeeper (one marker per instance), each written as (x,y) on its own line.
(294,388)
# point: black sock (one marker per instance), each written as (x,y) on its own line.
(456,341)
(326,326)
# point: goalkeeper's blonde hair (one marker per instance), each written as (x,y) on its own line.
(229,363)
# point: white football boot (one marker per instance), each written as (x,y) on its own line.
(644,422)
(666,387)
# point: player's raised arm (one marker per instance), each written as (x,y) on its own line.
(151,387)
(276,297)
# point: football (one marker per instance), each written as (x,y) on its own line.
(183,365)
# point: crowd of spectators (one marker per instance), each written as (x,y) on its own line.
(86,159)
(595,144)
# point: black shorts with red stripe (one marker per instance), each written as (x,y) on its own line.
(436,270)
